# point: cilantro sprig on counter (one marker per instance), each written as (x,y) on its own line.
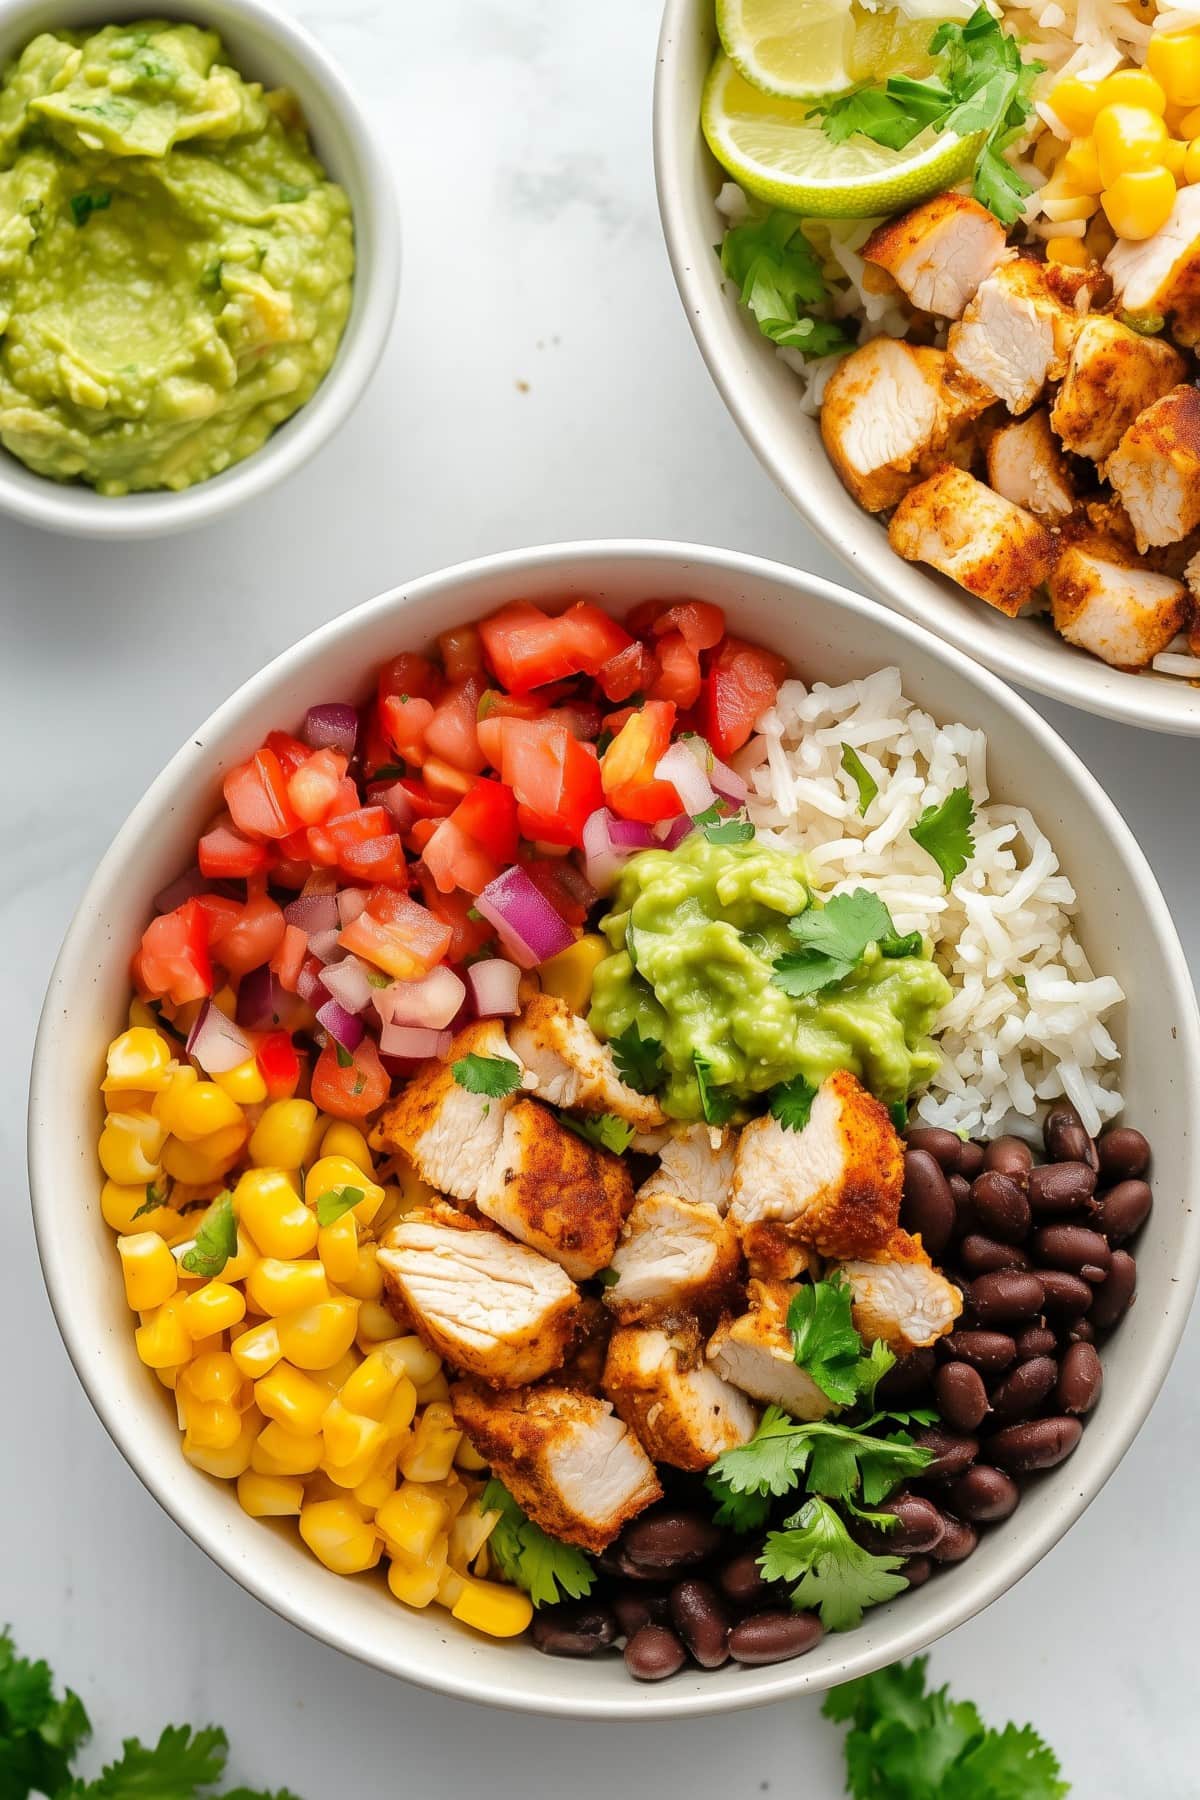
(945,832)
(832,939)
(548,1570)
(778,275)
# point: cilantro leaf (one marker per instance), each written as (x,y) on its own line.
(607,1131)
(945,832)
(154,1199)
(772,1462)
(718,1108)
(778,275)
(841,1462)
(898,1113)
(742,1513)
(824,1339)
(493,1076)
(832,940)
(91,200)
(831,1572)
(181,1763)
(344,1058)
(526,1555)
(791,1103)
(607,1277)
(861,776)
(216,1240)
(638,1059)
(908,945)
(737,830)
(335,1202)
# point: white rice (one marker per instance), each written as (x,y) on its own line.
(1025,1023)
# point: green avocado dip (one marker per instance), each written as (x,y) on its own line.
(695,935)
(175,267)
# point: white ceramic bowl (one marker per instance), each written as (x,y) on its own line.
(761,393)
(825,632)
(265,45)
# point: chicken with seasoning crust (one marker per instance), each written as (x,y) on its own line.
(888,416)
(1155,469)
(899,1297)
(674,1256)
(695,1164)
(1112,375)
(994,549)
(1161,274)
(568,1066)
(555,1191)
(1017,332)
(683,1412)
(940,252)
(1104,600)
(755,1353)
(1026,465)
(449,1134)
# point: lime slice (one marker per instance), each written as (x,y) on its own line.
(795,49)
(773,150)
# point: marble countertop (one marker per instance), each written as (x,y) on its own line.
(540,384)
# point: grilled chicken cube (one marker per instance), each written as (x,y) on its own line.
(1015,335)
(1112,375)
(1161,274)
(489,1306)
(900,1297)
(940,252)
(1155,469)
(584,1367)
(774,1252)
(1108,603)
(887,414)
(576,1468)
(683,1412)
(571,1068)
(991,547)
(449,1134)
(673,1256)
(836,1184)
(755,1354)
(555,1191)
(696,1164)
(1026,466)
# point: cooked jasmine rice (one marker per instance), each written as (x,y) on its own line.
(1026,1023)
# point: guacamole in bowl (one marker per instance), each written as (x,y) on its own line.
(175,265)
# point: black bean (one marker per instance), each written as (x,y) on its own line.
(957,1542)
(1066,1297)
(961,1396)
(987,1351)
(970,1159)
(576,1629)
(1023,1390)
(1035,1340)
(1000,1206)
(917,1570)
(1082,1332)
(985,1495)
(653,1653)
(952,1452)
(1037,1444)
(699,1616)
(920,1528)
(741,1580)
(774,1636)
(1061,1187)
(1066,1137)
(1074,1248)
(944,1146)
(981,1255)
(960,1188)
(1005,1297)
(1080,1378)
(1009,1156)
(666,1541)
(1124,1209)
(928,1205)
(1115,1292)
(1124,1153)
(908,1379)
(635,1607)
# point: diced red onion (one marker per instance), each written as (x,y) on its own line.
(259,999)
(321,881)
(528,926)
(184,887)
(311,987)
(395,798)
(629,834)
(608,843)
(413,1042)
(333,726)
(433,1002)
(341,1025)
(674,833)
(325,946)
(493,984)
(722,779)
(347,983)
(215,1041)
(350,902)
(313,913)
(681,769)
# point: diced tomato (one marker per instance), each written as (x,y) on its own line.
(678,679)
(256,795)
(225,855)
(563,885)
(510,706)
(320,848)
(173,960)
(462,651)
(346,800)
(253,938)
(555,778)
(220,914)
(491,737)
(741,683)
(279,1065)
(640,618)
(409,674)
(288,959)
(290,751)
(404,719)
(425,804)
(376,860)
(420,832)
(443,781)
(631,671)
(627,768)
(451,733)
(455,860)
(527,648)
(352,1085)
(359,826)
(313,786)
(699,623)
(581,718)
(397,935)
(373,747)
(488,813)
(467,935)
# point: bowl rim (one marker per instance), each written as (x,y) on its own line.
(763,1685)
(1156,703)
(76,510)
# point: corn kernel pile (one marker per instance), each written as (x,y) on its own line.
(290,1375)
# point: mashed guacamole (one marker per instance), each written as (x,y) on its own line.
(175,267)
(695,934)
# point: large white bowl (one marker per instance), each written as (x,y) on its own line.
(828,633)
(265,45)
(761,393)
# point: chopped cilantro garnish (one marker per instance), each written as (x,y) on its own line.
(607,1131)
(791,1103)
(898,1113)
(154,1199)
(494,1076)
(778,275)
(861,776)
(91,200)
(390,772)
(737,830)
(377,979)
(547,1569)
(344,1058)
(608,1277)
(831,1572)
(337,1201)
(842,1462)
(832,941)
(945,832)
(638,1059)
(216,1240)
(289,192)
(718,1108)
(826,1344)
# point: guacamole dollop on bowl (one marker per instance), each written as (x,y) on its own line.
(175,266)
(695,934)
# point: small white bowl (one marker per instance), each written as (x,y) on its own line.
(826,633)
(264,45)
(761,393)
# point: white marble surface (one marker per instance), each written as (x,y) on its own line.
(540,384)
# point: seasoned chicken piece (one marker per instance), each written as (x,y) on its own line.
(695,1163)
(683,1412)
(674,1256)
(556,1192)
(774,1253)
(575,1467)
(1016,333)
(1103,600)
(836,1184)
(994,549)
(755,1354)
(1026,466)
(1155,469)
(940,252)
(491,1307)
(1112,375)
(584,1367)
(572,1068)
(1108,518)
(900,1297)
(449,1134)
(1161,274)
(887,414)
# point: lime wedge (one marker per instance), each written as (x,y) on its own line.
(774,151)
(795,49)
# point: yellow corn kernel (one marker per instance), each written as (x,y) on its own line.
(276,1287)
(279,1451)
(413,1520)
(1191,161)
(349,1439)
(1175,158)
(227,1464)
(349,1477)
(376,1325)
(270,1496)
(1081,167)
(205,1160)
(501,1612)
(437,1389)
(134,1100)
(337,1247)
(379,1484)
(131,1145)
(196,1109)
(334,1378)
(214,1307)
(213,1375)
(244,1083)
(1067,250)
(468,1459)
(170,1375)
(256,1351)
(366,1283)
(347,1141)
(1188,125)
(413,1190)
(430,1454)
(149,1270)
(418,1583)
(371,1386)
(1133,87)
(332,1174)
(291,1398)
(319,1336)
(284,1136)
(243,1259)
(1076,103)
(210,1424)
(339,1535)
(390,1211)
(118,1204)
(140,1014)
(411,1355)
(1173,59)
(268,1204)
(1061,209)
(137,1059)
(400,1410)
(568,976)
(162,1339)
(1127,138)
(468,1535)
(1139,203)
